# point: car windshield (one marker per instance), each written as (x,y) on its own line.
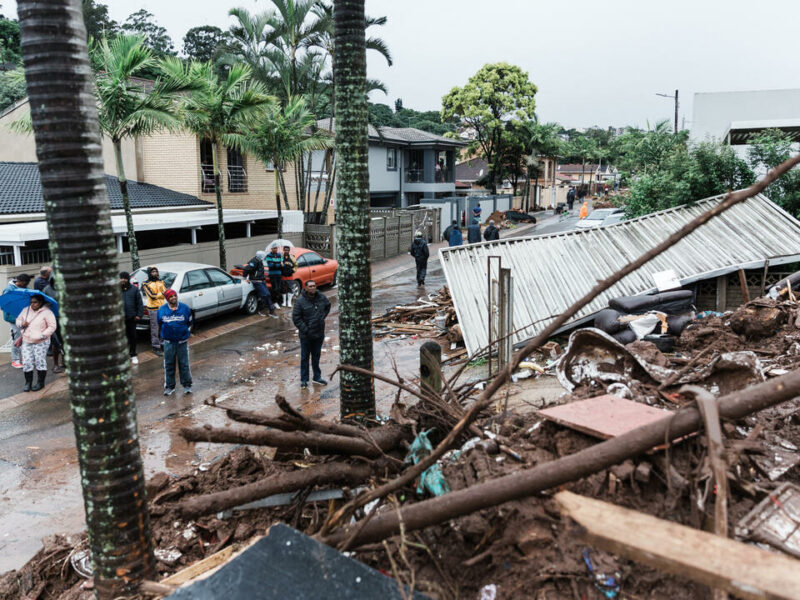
(140,276)
(601,213)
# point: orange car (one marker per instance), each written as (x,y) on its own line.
(310,265)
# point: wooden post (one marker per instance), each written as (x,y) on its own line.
(743,284)
(722,293)
(764,277)
(430,367)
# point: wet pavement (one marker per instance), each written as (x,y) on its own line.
(39,482)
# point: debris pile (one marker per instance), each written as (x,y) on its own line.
(433,316)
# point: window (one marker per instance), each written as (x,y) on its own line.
(206,166)
(302,261)
(219,277)
(195,280)
(312,259)
(237,175)
(391,159)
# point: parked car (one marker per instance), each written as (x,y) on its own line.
(598,217)
(310,265)
(518,216)
(206,289)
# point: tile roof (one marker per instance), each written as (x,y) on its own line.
(588,168)
(21,192)
(471,170)
(399,135)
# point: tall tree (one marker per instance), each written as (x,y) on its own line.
(68,145)
(221,112)
(352,208)
(202,43)
(497,95)
(127,109)
(156,38)
(98,22)
(9,41)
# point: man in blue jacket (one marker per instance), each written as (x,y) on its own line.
(274,264)
(474,232)
(175,320)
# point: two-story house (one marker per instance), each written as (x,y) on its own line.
(406,165)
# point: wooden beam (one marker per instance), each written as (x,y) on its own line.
(743,570)
(200,567)
(743,285)
(722,293)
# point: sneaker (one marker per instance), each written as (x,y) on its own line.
(262,313)
(134,360)
(158,352)
(320,381)
(16,364)
(169,391)
(187,391)
(303,385)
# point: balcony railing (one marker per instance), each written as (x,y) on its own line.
(237,179)
(207,178)
(444,176)
(418,176)
(415,175)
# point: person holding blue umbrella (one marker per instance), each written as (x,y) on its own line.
(37,323)
(19,282)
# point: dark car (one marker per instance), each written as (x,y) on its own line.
(517,216)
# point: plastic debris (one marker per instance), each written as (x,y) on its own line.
(488,592)
(608,585)
(620,390)
(709,313)
(432,479)
(168,557)
(81,561)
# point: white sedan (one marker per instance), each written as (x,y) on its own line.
(206,289)
(601,216)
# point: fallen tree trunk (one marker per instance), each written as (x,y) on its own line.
(335,472)
(569,468)
(286,423)
(382,439)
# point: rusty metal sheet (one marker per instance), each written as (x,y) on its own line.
(603,416)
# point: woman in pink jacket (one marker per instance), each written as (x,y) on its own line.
(37,323)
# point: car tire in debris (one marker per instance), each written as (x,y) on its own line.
(251,304)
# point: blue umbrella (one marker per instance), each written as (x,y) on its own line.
(15,301)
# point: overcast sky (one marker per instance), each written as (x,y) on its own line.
(595,63)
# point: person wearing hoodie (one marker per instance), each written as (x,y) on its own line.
(133,309)
(43,280)
(19,282)
(448,231)
(254,273)
(491,233)
(37,323)
(175,323)
(474,232)
(308,315)
(153,290)
(419,250)
(455,238)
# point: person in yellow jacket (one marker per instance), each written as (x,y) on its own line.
(153,290)
(584,210)
(288,269)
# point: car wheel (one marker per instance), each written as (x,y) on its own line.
(193,326)
(295,287)
(251,304)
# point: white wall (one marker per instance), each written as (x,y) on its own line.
(714,111)
(381,180)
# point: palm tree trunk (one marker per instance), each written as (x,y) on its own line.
(329,193)
(278,203)
(352,209)
(319,185)
(282,182)
(223,259)
(68,141)
(307,188)
(126,205)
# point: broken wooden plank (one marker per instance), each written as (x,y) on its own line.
(603,416)
(199,568)
(741,569)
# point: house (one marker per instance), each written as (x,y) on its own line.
(176,161)
(406,165)
(576,174)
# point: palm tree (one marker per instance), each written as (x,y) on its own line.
(127,109)
(352,208)
(282,135)
(221,112)
(68,141)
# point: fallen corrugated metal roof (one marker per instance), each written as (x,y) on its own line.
(551,271)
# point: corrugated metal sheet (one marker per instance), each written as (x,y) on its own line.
(551,271)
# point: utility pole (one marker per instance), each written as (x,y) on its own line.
(677,104)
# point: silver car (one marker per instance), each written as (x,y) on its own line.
(206,289)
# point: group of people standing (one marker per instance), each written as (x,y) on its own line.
(279,268)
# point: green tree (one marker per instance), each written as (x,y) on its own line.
(352,208)
(98,22)
(68,143)
(12,87)
(128,110)
(584,149)
(203,43)
(9,41)
(281,136)
(496,95)
(767,150)
(222,112)
(142,23)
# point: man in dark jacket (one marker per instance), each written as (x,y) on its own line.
(571,198)
(474,232)
(254,272)
(455,238)
(449,230)
(308,315)
(133,309)
(491,233)
(274,262)
(43,280)
(175,322)
(419,250)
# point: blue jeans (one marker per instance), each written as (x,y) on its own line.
(263,295)
(16,352)
(176,351)
(310,349)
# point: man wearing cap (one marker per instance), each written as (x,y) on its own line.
(175,322)
(153,290)
(133,310)
(419,250)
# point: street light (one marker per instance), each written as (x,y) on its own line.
(675,97)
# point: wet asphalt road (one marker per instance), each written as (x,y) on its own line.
(39,482)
